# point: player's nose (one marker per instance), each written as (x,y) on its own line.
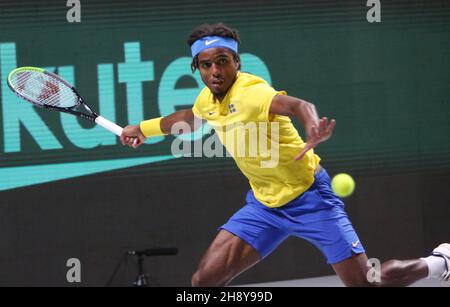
(215,70)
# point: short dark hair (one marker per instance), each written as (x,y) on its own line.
(218,29)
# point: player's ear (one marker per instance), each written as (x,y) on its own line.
(237,62)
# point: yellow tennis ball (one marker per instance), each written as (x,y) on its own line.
(343,184)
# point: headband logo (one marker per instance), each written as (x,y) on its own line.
(207,43)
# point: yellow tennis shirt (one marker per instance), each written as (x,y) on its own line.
(263,145)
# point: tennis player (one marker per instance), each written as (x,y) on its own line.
(292,198)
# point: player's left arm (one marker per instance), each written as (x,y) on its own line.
(317,130)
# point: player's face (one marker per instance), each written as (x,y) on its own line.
(218,69)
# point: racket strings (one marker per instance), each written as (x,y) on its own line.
(44,89)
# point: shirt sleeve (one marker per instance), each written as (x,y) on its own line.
(259,97)
(196,111)
(200,102)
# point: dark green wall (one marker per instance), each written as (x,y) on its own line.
(387,84)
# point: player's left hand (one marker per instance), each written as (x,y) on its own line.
(317,134)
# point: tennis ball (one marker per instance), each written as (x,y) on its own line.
(343,184)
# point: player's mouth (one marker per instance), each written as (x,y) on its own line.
(216,84)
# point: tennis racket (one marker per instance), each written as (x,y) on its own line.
(48,90)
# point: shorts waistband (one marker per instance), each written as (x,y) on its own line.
(318,169)
(320,173)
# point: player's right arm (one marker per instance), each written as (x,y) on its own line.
(317,130)
(135,135)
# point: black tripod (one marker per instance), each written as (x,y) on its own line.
(142,278)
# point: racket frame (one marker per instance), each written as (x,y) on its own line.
(72,110)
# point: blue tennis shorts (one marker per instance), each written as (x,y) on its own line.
(317,216)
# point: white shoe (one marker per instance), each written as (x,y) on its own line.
(443,251)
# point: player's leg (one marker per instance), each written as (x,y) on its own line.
(327,226)
(226,257)
(401,273)
(339,242)
(250,235)
(319,217)
(353,272)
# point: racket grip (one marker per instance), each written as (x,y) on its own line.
(109,125)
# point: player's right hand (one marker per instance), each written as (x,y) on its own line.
(132,136)
(317,134)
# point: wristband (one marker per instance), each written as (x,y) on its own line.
(151,127)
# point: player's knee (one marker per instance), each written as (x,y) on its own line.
(202,278)
(391,270)
(196,280)
(358,281)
